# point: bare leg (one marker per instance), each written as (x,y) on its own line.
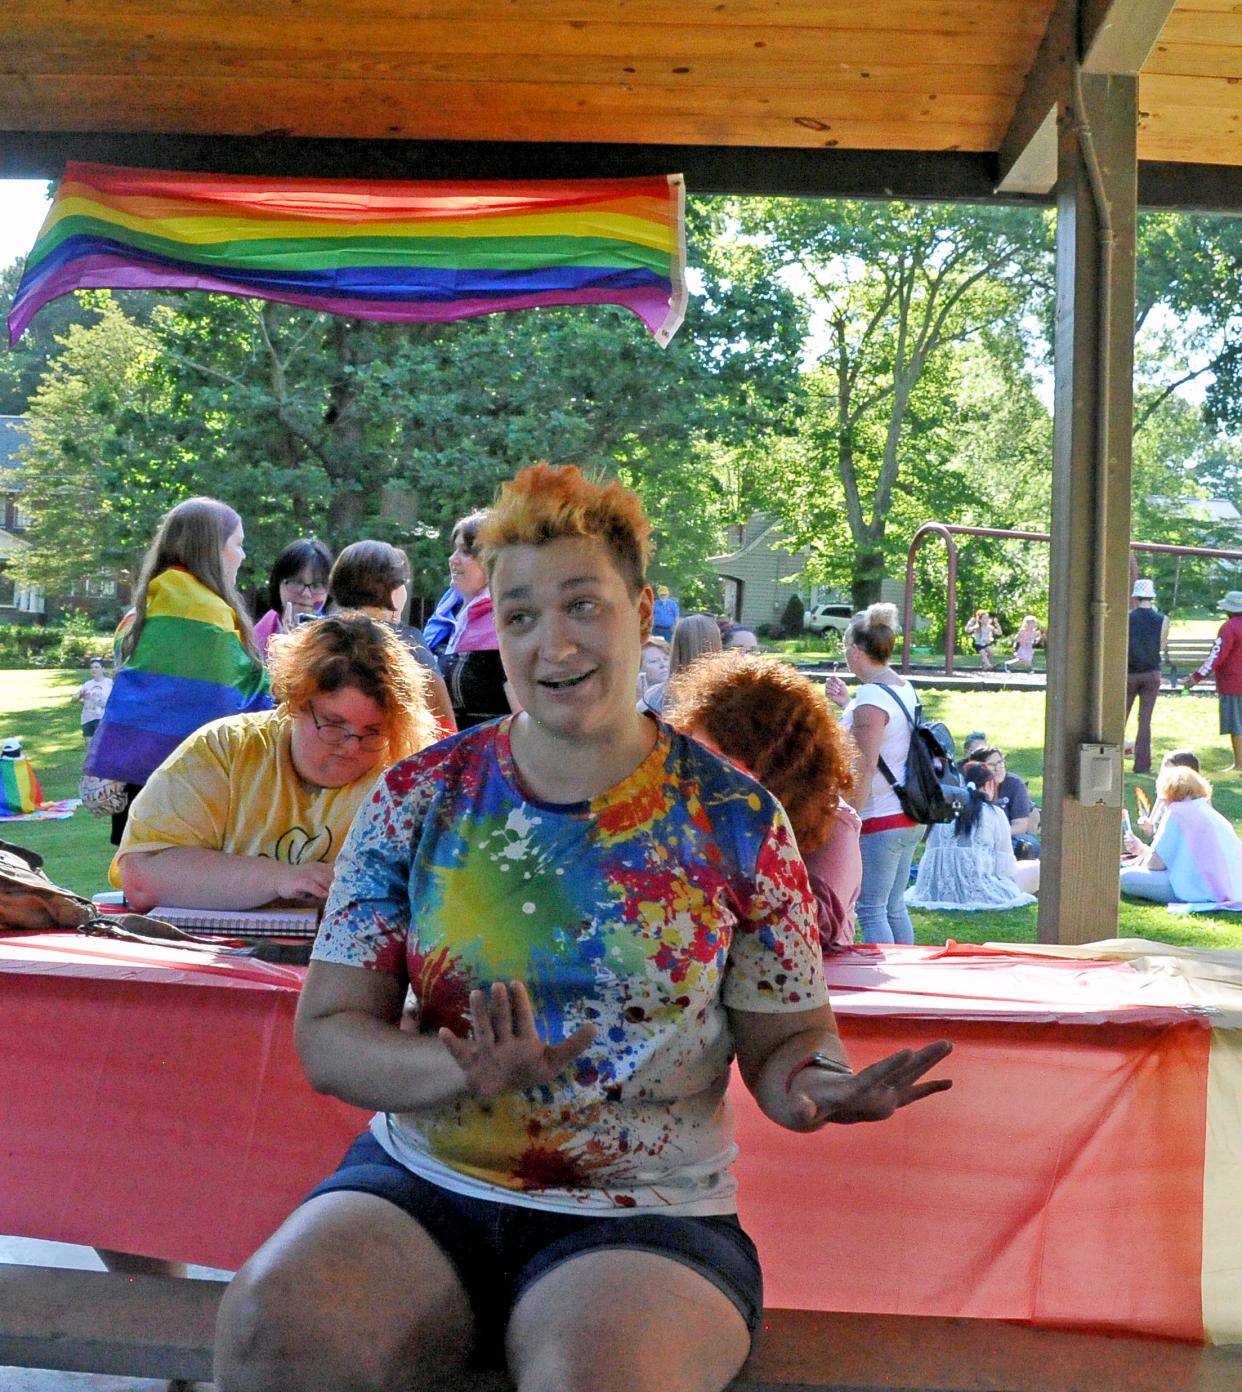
(1236,741)
(624,1321)
(350,1295)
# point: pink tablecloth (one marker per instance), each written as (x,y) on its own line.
(158,1107)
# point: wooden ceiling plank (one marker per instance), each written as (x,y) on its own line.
(1191,123)
(1195,60)
(948,16)
(1176,154)
(1193,26)
(1160,93)
(915,80)
(1118,35)
(521,110)
(529,41)
(778,99)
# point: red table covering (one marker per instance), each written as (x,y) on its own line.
(153,1105)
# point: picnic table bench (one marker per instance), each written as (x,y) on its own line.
(162,1327)
(1185,655)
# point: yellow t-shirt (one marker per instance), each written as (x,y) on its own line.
(231,786)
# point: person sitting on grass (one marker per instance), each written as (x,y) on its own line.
(1149,823)
(1014,799)
(1196,857)
(255,808)
(769,719)
(969,863)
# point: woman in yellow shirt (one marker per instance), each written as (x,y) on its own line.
(255,807)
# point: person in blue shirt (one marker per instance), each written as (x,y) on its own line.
(664,614)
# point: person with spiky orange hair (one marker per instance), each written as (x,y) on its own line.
(595,913)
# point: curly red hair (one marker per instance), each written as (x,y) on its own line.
(546,502)
(770,718)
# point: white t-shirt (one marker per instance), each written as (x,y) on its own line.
(895,745)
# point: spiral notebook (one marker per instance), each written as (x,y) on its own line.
(269,921)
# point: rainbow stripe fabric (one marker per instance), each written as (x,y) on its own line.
(20,792)
(410,252)
(188,667)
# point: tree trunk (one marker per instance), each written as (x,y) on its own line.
(868,572)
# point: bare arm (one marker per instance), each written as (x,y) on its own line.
(868,732)
(773,1052)
(440,704)
(352,1047)
(196,877)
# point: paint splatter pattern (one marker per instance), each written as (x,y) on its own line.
(646,911)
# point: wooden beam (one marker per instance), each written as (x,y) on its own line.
(1091,481)
(916,176)
(1113,36)
(1026,161)
(1117,36)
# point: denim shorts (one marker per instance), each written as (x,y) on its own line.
(500,1249)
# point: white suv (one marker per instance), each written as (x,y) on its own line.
(821,617)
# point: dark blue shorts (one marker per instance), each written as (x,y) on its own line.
(500,1249)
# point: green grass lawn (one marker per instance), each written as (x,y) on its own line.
(37,706)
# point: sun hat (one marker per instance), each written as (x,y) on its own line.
(1143,589)
(1232,602)
(11,749)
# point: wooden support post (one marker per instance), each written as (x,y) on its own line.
(1096,191)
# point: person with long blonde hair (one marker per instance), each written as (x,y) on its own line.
(188,653)
(595,914)
(693,636)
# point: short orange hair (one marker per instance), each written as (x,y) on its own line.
(769,717)
(545,502)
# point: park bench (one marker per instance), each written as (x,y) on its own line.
(161,1327)
(1186,655)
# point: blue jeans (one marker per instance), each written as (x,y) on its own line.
(886,860)
(1148,884)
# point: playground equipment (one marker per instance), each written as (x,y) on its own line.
(949,531)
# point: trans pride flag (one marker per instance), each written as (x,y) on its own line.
(410,252)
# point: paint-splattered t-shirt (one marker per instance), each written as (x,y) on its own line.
(646,911)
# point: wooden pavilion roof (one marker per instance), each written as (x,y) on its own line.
(798,79)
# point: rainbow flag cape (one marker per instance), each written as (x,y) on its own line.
(20,792)
(410,252)
(188,667)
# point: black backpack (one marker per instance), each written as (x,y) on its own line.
(934,790)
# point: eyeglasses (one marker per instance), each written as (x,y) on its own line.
(307,587)
(336,735)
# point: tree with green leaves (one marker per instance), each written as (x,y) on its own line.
(892,292)
(345,428)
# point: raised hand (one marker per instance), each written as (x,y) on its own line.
(836,690)
(505,1051)
(818,1096)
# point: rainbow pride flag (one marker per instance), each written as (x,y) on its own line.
(410,252)
(20,792)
